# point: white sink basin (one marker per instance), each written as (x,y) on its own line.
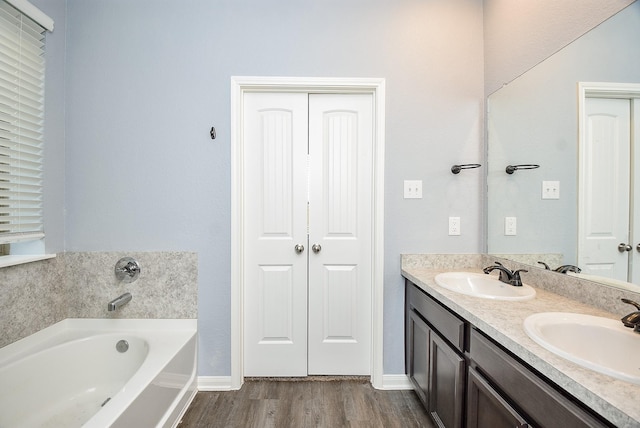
(484,286)
(597,343)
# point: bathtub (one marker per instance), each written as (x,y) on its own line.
(98,373)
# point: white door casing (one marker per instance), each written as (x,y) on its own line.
(605,188)
(241,85)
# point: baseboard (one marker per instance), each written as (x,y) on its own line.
(396,382)
(214,383)
(223,383)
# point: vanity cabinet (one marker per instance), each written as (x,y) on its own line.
(499,384)
(435,362)
(466,379)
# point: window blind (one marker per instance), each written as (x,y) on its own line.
(21,125)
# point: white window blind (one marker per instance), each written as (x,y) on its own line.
(21,125)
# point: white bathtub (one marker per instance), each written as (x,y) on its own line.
(71,374)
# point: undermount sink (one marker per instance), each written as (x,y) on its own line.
(600,344)
(483,286)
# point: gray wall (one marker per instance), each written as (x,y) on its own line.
(520,34)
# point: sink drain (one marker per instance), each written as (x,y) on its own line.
(122,346)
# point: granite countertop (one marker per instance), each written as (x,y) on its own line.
(616,400)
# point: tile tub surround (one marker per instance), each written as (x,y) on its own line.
(167,286)
(32,297)
(612,398)
(36,295)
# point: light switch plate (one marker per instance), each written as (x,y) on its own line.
(510,226)
(454,226)
(413,189)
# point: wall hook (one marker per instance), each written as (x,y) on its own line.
(513,168)
(212,132)
(457,168)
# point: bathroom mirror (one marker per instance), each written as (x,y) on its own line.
(534,120)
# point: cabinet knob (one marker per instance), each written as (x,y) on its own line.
(299,248)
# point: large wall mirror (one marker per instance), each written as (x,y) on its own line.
(534,120)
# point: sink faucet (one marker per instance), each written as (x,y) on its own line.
(633,319)
(118,302)
(568,268)
(506,276)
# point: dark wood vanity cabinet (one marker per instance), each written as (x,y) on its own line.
(434,358)
(495,372)
(465,379)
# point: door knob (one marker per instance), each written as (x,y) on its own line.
(638,247)
(622,247)
(299,248)
(316,248)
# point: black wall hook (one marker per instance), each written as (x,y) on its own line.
(213,133)
(513,168)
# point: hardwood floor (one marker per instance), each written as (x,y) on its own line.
(328,403)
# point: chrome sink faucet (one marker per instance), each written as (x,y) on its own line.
(507,276)
(119,302)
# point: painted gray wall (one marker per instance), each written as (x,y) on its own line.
(520,34)
(146,79)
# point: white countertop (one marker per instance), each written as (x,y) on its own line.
(616,400)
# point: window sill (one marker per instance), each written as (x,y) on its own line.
(6,261)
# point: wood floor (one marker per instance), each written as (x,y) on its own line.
(328,403)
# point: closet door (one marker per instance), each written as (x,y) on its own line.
(275,234)
(340,233)
(605,171)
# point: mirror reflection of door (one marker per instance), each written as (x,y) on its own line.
(608,246)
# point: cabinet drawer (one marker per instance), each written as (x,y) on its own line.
(446,323)
(544,405)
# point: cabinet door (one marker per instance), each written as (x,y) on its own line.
(486,409)
(446,384)
(418,369)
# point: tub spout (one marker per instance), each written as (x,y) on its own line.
(119,301)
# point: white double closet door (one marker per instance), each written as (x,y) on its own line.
(307,233)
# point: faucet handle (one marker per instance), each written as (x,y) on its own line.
(515,279)
(631,302)
(633,319)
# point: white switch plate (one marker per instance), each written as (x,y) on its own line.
(510,226)
(413,189)
(454,226)
(550,190)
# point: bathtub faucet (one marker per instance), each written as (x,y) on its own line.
(119,301)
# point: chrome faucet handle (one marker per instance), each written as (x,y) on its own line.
(127,270)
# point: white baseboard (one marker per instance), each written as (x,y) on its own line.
(223,383)
(214,383)
(396,382)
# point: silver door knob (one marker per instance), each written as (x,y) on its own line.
(624,247)
(316,248)
(299,248)
(638,247)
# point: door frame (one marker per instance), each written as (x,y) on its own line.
(240,85)
(595,90)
